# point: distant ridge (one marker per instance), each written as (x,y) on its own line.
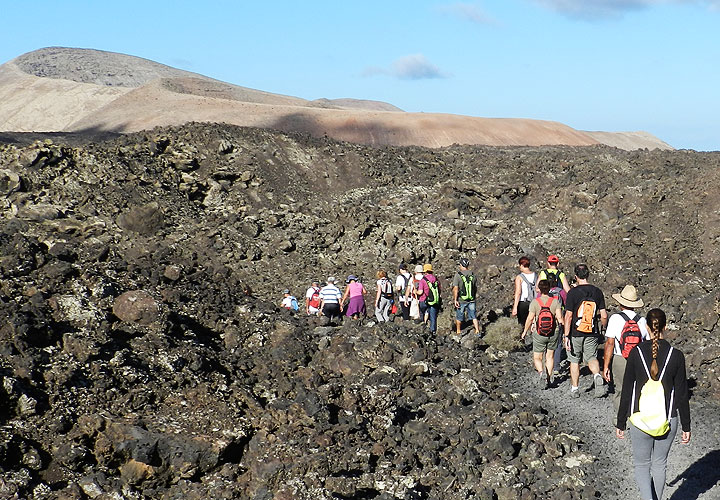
(63,89)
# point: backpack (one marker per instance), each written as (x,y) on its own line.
(556,292)
(630,336)
(406,280)
(433,298)
(315,298)
(386,289)
(468,285)
(546,319)
(531,286)
(586,323)
(652,417)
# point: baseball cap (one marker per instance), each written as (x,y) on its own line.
(464,262)
(553,259)
(286,291)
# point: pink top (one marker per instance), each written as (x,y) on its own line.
(356,289)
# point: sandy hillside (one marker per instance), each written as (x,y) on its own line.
(64,89)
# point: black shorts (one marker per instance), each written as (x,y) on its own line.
(523,311)
(331,310)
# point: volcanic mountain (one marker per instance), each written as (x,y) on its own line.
(60,89)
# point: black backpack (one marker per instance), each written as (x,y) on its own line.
(433,298)
(467,293)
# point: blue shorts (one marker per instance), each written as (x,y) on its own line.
(469,306)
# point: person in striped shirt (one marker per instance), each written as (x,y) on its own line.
(330,300)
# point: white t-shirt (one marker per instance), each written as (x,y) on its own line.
(401,286)
(615,326)
(330,294)
(288,302)
(308,295)
(384,285)
(527,291)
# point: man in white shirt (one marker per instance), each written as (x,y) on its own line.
(616,348)
(312,299)
(403,280)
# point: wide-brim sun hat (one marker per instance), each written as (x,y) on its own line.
(419,268)
(350,278)
(628,297)
(427,268)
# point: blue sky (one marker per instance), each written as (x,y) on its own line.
(613,65)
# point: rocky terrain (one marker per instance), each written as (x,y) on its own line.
(143,353)
(63,89)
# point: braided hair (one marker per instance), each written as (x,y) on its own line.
(656,324)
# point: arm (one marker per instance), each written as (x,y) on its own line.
(455,297)
(682,397)
(540,276)
(566,324)
(627,392)
(345,296)
(528,324)
(377,296)
(609,348)
(603,318)
(518,292)
(564,281)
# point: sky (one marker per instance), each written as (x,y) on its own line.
(610,65)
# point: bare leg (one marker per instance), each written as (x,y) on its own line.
(574,374)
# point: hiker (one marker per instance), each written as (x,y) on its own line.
(657,359)
(546,331)
(312,299)
(524,290)
(288,301)
(464,290)
(402,284)
(330,300)
(559,293)
(429,298)
(383,297)
(355,297)
(584,315)
(625,330)
(552,270)
(413,293)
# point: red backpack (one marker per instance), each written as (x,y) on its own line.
(630,336)
(545,319)
(315,298)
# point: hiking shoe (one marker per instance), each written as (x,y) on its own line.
(575,393)
(599,387)
(548,381)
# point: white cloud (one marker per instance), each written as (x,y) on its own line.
(468,11)
(593,9)
(411,67)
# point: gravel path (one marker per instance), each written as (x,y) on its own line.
(693,469)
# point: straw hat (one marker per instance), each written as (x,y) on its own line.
(628,297)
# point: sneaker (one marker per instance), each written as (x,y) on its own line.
(599,387)
(575,393)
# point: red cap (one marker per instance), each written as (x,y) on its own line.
(553,259)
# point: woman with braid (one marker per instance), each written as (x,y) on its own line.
(666,364)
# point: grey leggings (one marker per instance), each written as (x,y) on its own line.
(650,459)
(382,309)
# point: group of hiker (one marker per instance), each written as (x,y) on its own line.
(411,296)
(651,389)
(648,374)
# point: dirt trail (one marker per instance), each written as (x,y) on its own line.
(693,472)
